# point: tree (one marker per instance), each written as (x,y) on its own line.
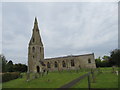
(10,66)
(105,61)
(98,62)
(106,57)
(114,57)
(20,67)
(3,62)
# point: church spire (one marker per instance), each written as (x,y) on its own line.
(36,38)
(35,24)
(35,21)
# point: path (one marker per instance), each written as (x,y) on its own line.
(70,84)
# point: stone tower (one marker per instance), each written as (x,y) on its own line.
(35,50)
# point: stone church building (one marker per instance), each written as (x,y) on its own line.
(37,62)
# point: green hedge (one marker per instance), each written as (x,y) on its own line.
(10,76)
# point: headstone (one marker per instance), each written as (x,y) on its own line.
(89,82)
(28,77)
(117,73)
(93,75)
(113,69)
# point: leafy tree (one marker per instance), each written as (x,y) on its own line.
(3,62)
(20,67)
(24,68)
(114,55)
(106,57)
(98,62)
(105,61)
(10,66)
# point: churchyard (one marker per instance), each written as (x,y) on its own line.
(103,78)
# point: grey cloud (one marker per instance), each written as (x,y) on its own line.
(66,28)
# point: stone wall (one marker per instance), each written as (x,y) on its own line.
(80,61)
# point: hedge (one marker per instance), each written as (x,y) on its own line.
(10,76)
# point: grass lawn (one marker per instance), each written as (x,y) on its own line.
(103,80)
(52,80)
(106,80)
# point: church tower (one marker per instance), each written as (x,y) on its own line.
(35,50)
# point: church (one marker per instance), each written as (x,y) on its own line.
(37,62)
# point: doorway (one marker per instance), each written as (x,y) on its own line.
(38,69)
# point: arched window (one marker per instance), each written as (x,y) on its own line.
(33,49)
(89,60)
(72,63)
(63,64)
(56,64)
(48,65)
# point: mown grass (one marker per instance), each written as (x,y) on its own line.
(52,80)
(106,79)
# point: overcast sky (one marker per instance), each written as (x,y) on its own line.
(66,28)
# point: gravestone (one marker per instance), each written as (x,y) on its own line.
(28,76)
(93,75)
(113,69)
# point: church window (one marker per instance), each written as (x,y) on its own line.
(63,64)
(48,65)
(33,40)
(89,61)
(72,63)
(33,49)
(56,64)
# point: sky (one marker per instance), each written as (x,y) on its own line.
(66,28)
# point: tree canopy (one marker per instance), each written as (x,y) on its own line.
(108,61)
(8,66)
(115,57)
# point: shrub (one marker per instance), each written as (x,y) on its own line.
(10,76)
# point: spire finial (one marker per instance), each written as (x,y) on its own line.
(35,20)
